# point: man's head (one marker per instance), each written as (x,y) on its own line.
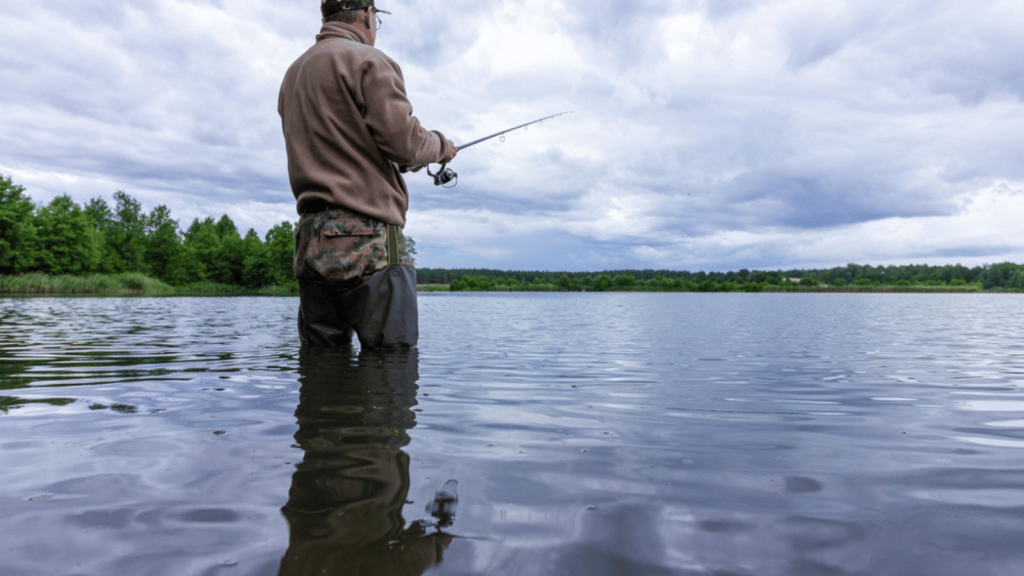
(358,13)
(331,7)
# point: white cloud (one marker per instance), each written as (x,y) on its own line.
(985,230)
(712,135)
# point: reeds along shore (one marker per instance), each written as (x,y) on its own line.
(133,284)
(629,282)
(969,289)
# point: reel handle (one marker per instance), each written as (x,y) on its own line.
(444,176)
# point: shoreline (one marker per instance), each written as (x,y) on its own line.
(135,284)
(125,284)
(765,290)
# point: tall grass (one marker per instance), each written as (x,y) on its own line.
(433,288)
(127,284)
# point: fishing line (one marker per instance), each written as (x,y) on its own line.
(447,176)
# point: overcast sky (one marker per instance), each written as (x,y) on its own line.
(705,134)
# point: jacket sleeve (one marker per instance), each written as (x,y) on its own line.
(389,117)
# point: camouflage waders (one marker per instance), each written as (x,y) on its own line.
(355,274)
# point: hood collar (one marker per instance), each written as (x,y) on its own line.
(341,30)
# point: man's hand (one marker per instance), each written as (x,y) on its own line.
(450,150)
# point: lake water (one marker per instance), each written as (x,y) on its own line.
(589,434)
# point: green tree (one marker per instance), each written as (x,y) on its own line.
(126,233)
(192,267)
(564,283)
(67,237)
(280,247)
(19,242)
(98,212)
(624,281)
(163,249)
(998,276)
(201,250)
(477,283)
(707,285)
(256,268)
(228,269)
(1018,279)
(102,218)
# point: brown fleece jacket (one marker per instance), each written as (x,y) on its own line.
(349,129)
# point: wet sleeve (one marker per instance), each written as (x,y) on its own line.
(389,117)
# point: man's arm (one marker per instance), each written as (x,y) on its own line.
(389,116)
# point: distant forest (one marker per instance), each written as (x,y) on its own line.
(852,277)
(65,238)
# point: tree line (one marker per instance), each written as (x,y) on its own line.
(1005,276)
(63,237)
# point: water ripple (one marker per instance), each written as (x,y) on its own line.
(768,434)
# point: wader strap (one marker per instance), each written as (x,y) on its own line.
(393,259)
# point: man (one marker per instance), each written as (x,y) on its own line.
(350,134)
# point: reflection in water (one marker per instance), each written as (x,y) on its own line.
(9,402)
(345,505)
(592,434)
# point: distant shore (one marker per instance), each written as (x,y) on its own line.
(881,289)
(125,284)
(134,284)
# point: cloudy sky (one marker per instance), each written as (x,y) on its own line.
(705,134)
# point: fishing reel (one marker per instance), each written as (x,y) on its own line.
(444,177)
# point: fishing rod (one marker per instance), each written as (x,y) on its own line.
(447,175)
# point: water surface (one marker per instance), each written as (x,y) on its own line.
(590,434)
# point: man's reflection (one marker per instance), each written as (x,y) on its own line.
(345,504)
